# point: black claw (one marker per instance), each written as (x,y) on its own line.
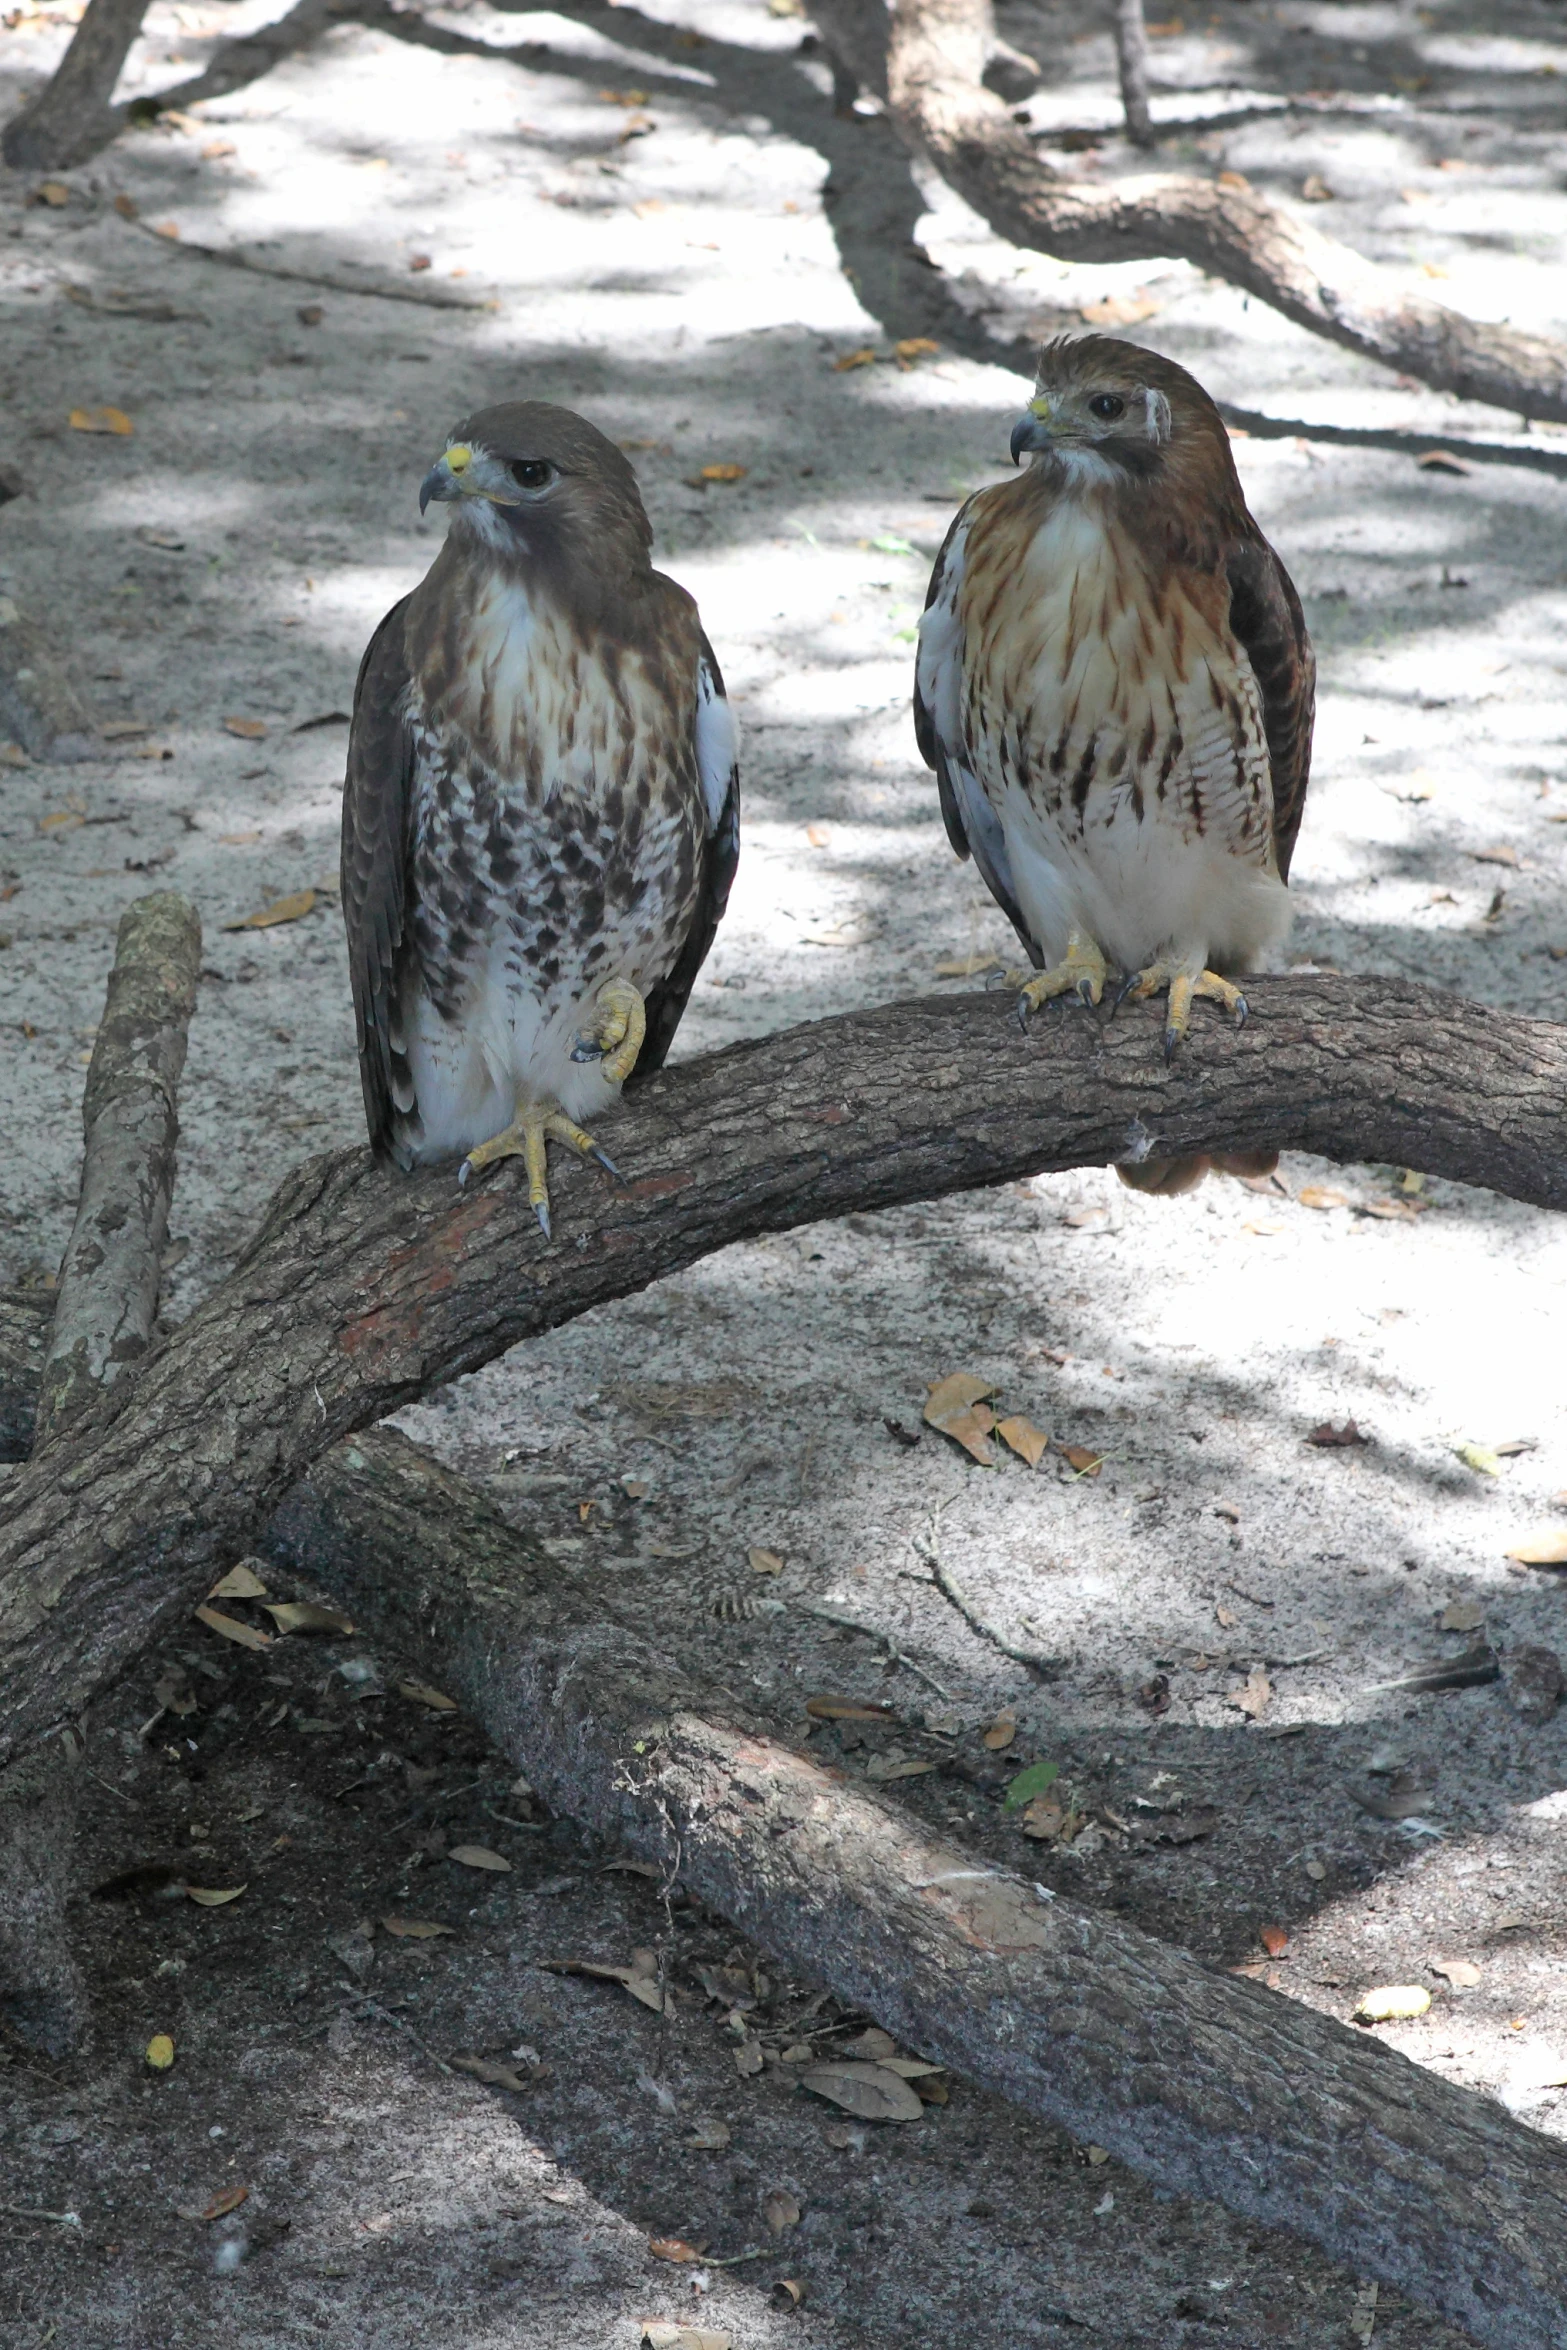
(1123,991)
(1085,993)
(1020,1014)
(542,1211)
(585,1050)
(607,1163)
(1172,1038)
(1242,1011)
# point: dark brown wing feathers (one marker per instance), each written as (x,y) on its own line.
(375,824)
(1267,619)
(667,1001)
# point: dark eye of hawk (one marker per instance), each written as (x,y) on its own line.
(531,473)
(1107,406)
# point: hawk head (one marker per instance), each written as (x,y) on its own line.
(540,485)
(1109,411)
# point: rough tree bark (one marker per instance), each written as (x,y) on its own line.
(1131,57)
(71,117)
(363,1289)
(107,1300)
(1204,2083)
(104,1309)
(927,58)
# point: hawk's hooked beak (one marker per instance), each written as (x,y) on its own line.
(444,480)
(1032,429)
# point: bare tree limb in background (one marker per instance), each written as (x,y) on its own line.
(72,118)
(107,1300)
(928,59)
(364,1290)
(104,1309)
(1131,57)
(1206,2084)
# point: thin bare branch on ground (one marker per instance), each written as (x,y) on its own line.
(364,1290)
(1205,2083)
(928,58)
(1131,57)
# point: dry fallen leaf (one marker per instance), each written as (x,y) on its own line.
(1321,1195)
(869,2090)
(847,1709)
(884,1768)
(967,966)
(1030,1443)
(213,1896)
(723,472)
(293,908)
(491,2072)
(1478,1457)
(672,2248)
(1547,1548)
(1274,1941)
(241,1582)
(415,1929)
(1393,2003)
(1441,461)
(748,2060)
(250,730)
(818,836)
(873,2045)
(230,2200)
(708,2137)
(1462,1973)
(1226,1617)
(1045,1820)
(915,347)
(1314,189)
(243,1635)
(664,2333)
(422,1694)
(791,2286)
(1327,1436)
(956,1405)
(1001,1732)
(641,1980)
(1254,1698)
(861,358)
(765,1562)
(1119,310)
(113,420)
(1462,1615)
(302,1615)
(479,1856)
(160,2052)
(1082,1461)
(780,2211)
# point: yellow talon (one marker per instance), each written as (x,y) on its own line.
(616,1038)
(1082,972)
(1184,987)
(525,1138)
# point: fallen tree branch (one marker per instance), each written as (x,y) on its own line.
(107,1300)
(1131,57)
(927,58)
(1207,2084)
(366,1289)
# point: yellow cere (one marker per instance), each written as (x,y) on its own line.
(458,459)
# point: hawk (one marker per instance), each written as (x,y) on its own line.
(541,811)
(1115,688)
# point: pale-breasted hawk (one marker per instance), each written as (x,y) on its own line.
(541,813)
(1115,688)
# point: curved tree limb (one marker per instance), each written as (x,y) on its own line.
(928,58)
(1206,2084)
(365,1289)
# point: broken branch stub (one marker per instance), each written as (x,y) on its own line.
(366,1289)
(107,1300)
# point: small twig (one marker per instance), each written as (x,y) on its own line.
(118,1793)
(1131,50)
(1255,1597)
(736,2259)
(941,1575)
(235,258)
(890,1648)
(366,2005)
(66,2219)
(528,1827)
(1284,1664)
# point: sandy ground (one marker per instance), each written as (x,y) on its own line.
(662,222)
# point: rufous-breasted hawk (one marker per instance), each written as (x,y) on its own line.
(541,814)
(1115,688)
